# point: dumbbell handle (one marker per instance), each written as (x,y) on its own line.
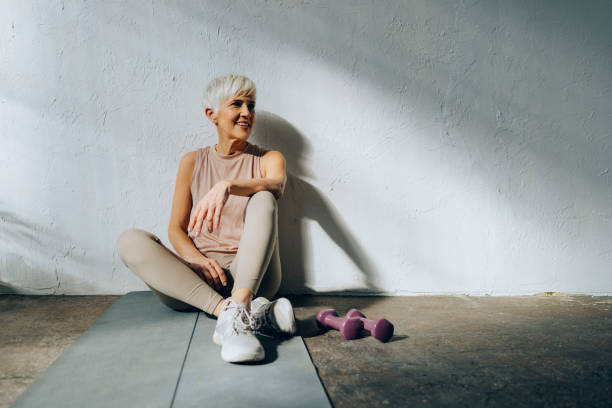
(350,328)
(381,329)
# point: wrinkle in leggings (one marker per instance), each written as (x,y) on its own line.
(255,266)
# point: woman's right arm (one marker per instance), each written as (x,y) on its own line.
(181,210)
(206,268)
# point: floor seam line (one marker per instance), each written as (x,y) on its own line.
(316,369)
(178,380)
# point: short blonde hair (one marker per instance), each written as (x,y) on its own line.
(228,86)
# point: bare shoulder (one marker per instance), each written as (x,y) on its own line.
(273,156)
(186,167)
(272,162)
(181,203)
(189,158)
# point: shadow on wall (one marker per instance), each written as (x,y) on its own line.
(17,266)
(302,201)
(32,256)
(8,289)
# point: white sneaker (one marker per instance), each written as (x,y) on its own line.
(235,335)
(273,317)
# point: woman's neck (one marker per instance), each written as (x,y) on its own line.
(230,147)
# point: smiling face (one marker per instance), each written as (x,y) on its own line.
(234,118)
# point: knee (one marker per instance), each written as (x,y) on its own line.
(264,200)
(129,245)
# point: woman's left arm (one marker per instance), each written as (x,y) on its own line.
(274,177)
(208,210)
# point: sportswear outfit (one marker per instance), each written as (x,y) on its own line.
(245,245)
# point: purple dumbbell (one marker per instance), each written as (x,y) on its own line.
(381,329)
(350,328)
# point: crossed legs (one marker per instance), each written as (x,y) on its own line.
(255,268)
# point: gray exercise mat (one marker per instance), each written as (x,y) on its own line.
(140,353)
(131,356)
(286,378)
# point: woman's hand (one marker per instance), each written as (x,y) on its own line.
(209,208)
(209,270)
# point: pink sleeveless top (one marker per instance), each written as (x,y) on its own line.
(210,168)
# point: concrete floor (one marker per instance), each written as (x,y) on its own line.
(447,350)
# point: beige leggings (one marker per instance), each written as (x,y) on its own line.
(255,266)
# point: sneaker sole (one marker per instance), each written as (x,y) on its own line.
(244,357)
(283,314)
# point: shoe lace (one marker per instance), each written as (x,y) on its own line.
(242,321)
(261,317)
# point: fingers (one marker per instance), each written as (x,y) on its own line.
(217,216)
(201,272)
(209,214)
(211,272)
(213,217)
(208,278)
(209,220)
(220,273)
(215,275)
(199,219)
(192,219)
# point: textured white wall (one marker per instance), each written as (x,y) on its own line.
(433,146)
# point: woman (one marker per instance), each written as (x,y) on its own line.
(224,228)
